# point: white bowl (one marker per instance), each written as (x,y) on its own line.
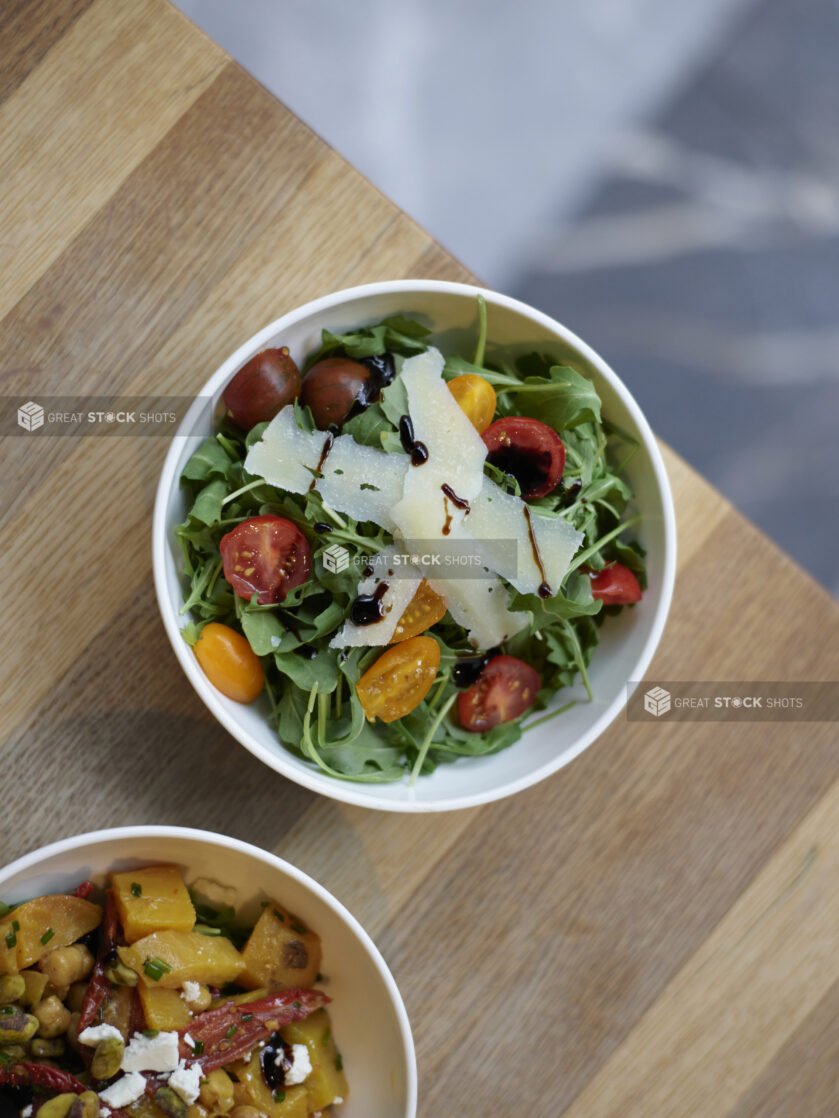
(628,641)
(369,1020)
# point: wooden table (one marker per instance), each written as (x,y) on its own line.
(653,931)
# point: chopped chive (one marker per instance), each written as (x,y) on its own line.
(151,1032)
(339,1061)
(11,938)
(231,1032)
(47,936)
(279,1096)
(5,1058)
(247,1017)
(136,889)
(296,926)
(16,925)
(198,1050)
(206,930)
(6,1009)
(297,1005)
(155,968)
(325,1038)
(318,977)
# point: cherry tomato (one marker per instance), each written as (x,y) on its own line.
(334,386)
(476,397)
(505,689)
(616,585)
(425,609)
(229,662)
(268,382)
(266,555)
(528,449)
(400,679)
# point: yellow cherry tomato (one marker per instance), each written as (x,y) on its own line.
(229,662)
(476,397)
(400,679)
(425,609)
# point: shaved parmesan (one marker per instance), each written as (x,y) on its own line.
(480,605)
(402,583)
(498,525)
(363,482)
(285,456)
(456,453)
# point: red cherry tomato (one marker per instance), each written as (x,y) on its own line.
(266,555)
(616,585)
(505,689)
(268,382)
(528,449)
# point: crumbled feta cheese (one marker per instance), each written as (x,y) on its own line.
(27,1111)
(337,1101)
(186,1081)
(301,1065)
(190,991)
(104,1112)
(94,1033)
(189,1040)
(151,1053)
(125,1091)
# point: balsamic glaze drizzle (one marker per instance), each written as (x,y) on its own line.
(417,450)
(544,590)
(367,609)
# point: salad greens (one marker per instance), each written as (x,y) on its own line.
(310,687)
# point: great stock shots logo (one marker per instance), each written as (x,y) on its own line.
(30,416)
(657,701)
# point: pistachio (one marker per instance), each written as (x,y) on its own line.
(107,1059)
(58,1106)
(17,1027)
(12,988)
(120,974)
(85,1106)
(14,1052)
(47,1048)
(170,1102)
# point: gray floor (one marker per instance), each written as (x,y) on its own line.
(661,177)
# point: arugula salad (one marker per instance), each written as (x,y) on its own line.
(409,555)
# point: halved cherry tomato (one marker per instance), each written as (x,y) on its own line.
(505,689)
(528,449)
(265,555)
(268,382)
(229,662)
(616,585)
(334,386)
(476,397)
(425,609)
(400,679)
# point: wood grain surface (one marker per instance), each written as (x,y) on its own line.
(654,930)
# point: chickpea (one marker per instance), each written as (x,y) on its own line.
(53,1017)
(217,1092)
(75,996)
(201,1002)
(12,988)
(66,965)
